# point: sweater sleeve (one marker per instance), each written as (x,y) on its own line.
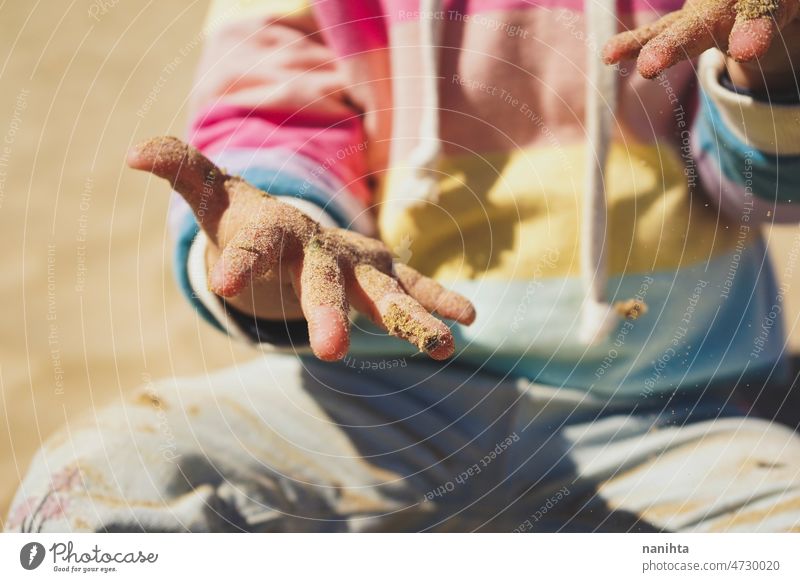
(270,104)
(747,150)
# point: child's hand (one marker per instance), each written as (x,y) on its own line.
(256,240)
(762,36)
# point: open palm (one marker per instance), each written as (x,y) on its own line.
(257,242)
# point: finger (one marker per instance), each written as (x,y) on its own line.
(403,316)
(192,175)
(757,24)
(751,39)
(693,34)
(253,251)
(433,296)
(321,288)
(627,45)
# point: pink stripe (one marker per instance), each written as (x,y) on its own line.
(331,143)
(351,28)
(404,10)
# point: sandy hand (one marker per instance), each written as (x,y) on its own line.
(256,239)
(749,29)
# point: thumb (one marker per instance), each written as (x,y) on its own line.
(758,23)
(192,175)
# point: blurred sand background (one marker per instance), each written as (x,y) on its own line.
(90,309)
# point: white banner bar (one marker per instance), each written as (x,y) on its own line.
(401,557)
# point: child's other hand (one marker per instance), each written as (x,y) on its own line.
(274,261)
(761,36)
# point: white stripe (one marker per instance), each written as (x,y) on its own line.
(772,129)
(597,316)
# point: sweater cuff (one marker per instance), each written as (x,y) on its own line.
(767,127)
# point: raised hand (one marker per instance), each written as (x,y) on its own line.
(766,31)
(272,260)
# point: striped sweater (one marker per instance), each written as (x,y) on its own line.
(321,104)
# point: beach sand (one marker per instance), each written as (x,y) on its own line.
(90,308)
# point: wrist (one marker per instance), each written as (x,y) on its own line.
(760,81)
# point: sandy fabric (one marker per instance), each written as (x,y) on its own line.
(289,445)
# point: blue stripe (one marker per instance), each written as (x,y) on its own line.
(281,183)
(773,178)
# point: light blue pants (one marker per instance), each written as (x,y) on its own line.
(288,444)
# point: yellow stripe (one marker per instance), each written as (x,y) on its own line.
(221,12)
(499,216)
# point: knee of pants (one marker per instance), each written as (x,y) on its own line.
(719,474)
(118,457)
(170,460)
